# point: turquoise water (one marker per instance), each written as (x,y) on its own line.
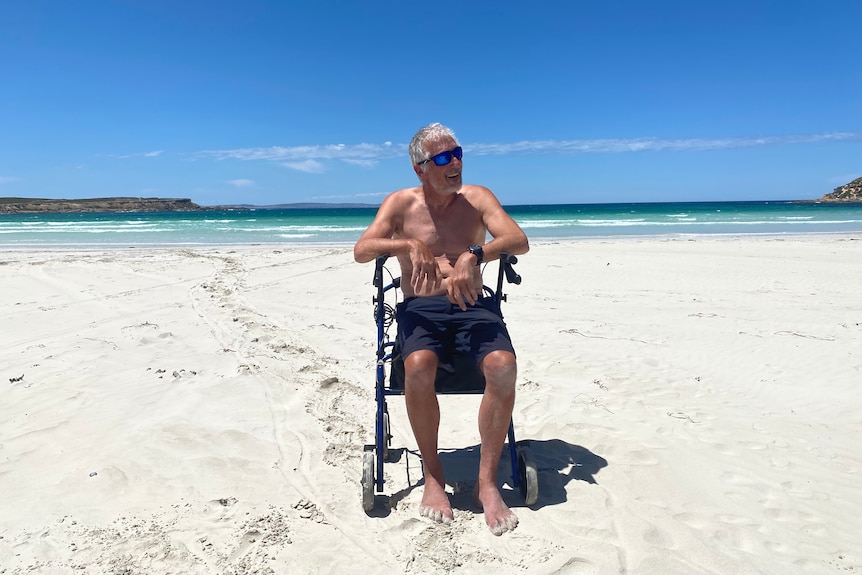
(344,225)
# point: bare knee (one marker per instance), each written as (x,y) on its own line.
(500,370)
(420,368)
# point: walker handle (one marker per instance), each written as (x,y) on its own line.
(378,269)
(507,261)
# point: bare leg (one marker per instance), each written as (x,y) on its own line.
(495,414)
(424,412)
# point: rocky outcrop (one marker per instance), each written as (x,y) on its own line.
(90,205)
(851,192)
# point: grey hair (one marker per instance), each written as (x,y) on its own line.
(431,132)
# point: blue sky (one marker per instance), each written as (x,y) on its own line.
(266,102)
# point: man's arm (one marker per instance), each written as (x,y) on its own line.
(506,235)
(377,240)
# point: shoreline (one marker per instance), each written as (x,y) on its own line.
(316,227)
(852,236)
(693,407)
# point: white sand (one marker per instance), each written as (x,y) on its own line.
(694,407)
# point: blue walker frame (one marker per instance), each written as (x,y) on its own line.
(522,460)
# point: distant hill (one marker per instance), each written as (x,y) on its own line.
(93,205)
(851,192)
(121,204)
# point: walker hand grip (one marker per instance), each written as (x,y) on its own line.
(378,270)
(511,276)
(506,263)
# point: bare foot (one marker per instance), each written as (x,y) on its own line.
(435,503)
(498,516)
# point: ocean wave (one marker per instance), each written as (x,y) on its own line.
(576,222)
(92,230)
(85,224)
(680,222)
(301,229)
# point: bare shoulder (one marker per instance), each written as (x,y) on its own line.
(499,223)
(400,200)
(480,197)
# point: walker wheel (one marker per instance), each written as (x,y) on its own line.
(368,462)
(528,475)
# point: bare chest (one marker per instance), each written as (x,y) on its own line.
(445,234)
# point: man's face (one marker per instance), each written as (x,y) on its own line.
(442,179)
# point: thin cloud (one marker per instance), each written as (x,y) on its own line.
(153,154)
(623,145)
(361,154)
(8,179)
(241,183)
(362,163)
(310,166)
(312,159)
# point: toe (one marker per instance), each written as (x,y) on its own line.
(506,524)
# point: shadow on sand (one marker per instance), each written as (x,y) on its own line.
(557,463)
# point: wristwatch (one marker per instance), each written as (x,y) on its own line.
(477,251)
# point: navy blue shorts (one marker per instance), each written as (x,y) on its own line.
(435,324)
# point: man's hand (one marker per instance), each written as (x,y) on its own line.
(426,277)
(461,284)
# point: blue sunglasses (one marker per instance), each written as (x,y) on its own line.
(444,158)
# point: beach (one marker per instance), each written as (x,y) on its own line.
(693,405)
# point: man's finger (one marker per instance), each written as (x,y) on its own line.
(470,296)
(461,304)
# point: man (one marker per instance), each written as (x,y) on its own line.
(437,230)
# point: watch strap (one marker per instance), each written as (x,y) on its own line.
(477,251)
